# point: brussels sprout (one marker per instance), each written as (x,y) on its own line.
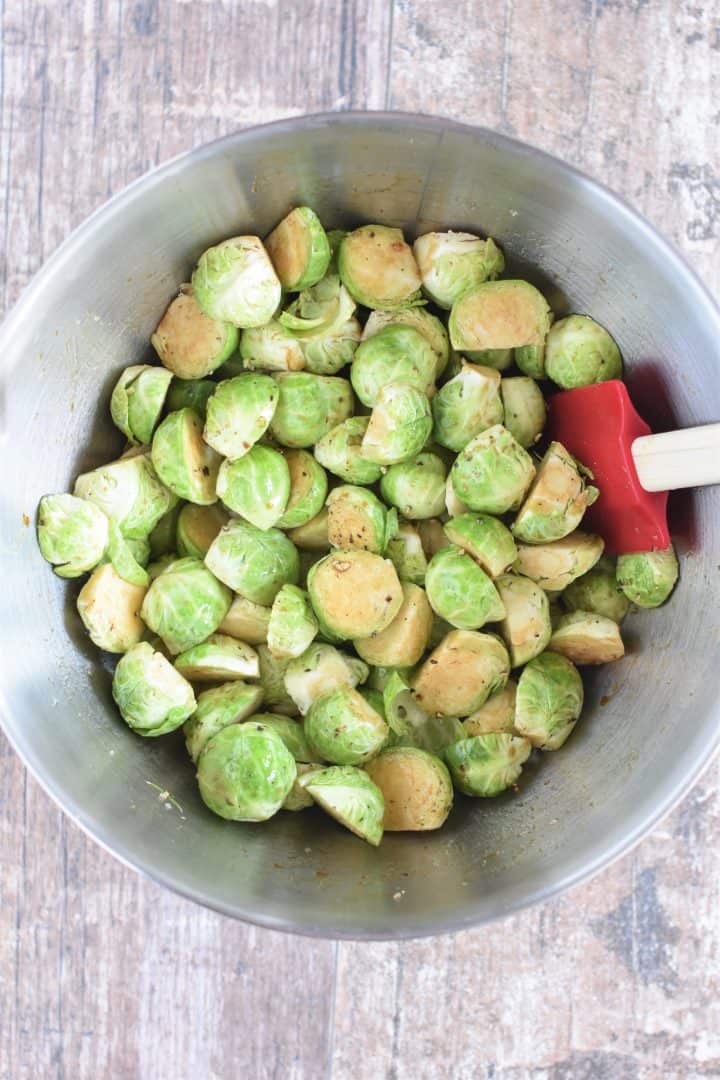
(256,486)
(246,621)
(599,592)
(432,536)
(349,795)
(340,451)
(120,553)
(496,359)
(190,394)
(235,281)
(216,709)
(378,268)
(163,537)
(185,604)
(245,772)
(72,534)
(313,535)
(400,425)
(272,681)
(152,697)
(355,593)
(252,561)
(299,249)
(524,407)
(499,315)
(292,624)
(402,643)
(450,263)
(396,354)
(159,566)
(461,673)
(139,548)
(356,519)
(183,461)
(328,351)
(374,698)
(493,472)
(405,551)
(319,310)
(460,592)
(219,658)
(530,359)
(549,700)
(290,731)
(320,670)
(486,539)
(379,678)
(137,400)
(420,319)
(485,765)
(466,405)
(197,527)
(579,352)
(586,638)
(298,799)
(189,342)
(497,715)
(110,607)
(308,489)
(341,727)
(526,627)
(129,492)
(648,577)
(308,407)
(239,413)
(454,506)
(416,487)
(556,501)
(554,566)
(271,348)
(416,787)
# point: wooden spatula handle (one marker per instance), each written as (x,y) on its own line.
(678,459)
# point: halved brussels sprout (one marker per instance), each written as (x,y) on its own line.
(497,359)
(216,709)
(190,394)
(271,348)
(493,472)
(197,527)
(416,787)
(402,643)
(319,311)
(308,489)
(246,621)
(396,354)
(579,352)
(292,624)
(256,486)
(183,460)
(152,697)
(110,608)
(524,408)
(432,536)
(120,552)
(299,249)
(138,399)
(461,673)
(356,519)
(549,700)
(308,407)
(239,413)
(129,492)
(497,715)
(466,405)
(313,535)
(189,342)
(460,592)
(530,359)
(245,772)
(416,487)
(648,577)
(450,263)
(290,731)
(486,539)
(409,723)
(327,352)
(349,795)
(420,319)
(185,604)
(499,315)
(557,500)
(235,281)
(320,670)
(163,538)
(72,534)
(355,593)
(526,627)
(454,505)
(254,562)
(599,592)
(299,799)
(586,638)
(340,451)
(219,658)
(378,268)
(554,566)
(272,681)
(374,698)
(485,765)
(405,551)
(343,728)
(400,425)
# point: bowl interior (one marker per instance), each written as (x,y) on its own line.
(650,721)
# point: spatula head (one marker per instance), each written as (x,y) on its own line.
(598,425)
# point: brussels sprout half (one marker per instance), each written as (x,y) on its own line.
(137,401)
(526,627)
(450,263)
(246,621)
(110,610)
(190,343)
(152,697)
(255,563)
(416,487)
(432,328)
(524,409)
(405,551)
(340,452)
(579,352)
(549,700)
(557,500)
(486,765)
(129,492)
(461,673)
(343,728)
(497,359)
(185,604)
(355,593)
(598,591)
(378,268)
(409,722)
(236,283)
(239,413)
(647,578)
(493,472)
(216,709)
(290,731)
(292,624)
(554,566)
(356,519)
(190,394)
(395,354)
(318,671)
(460,592)
(183,460)
(319,311)
(256,486)
(586,638)
(299,250)
(72,533)
(400,425)
(328,351)
(309,406)
(245,772)
(272,681)
(499,315)
(220,658)
(163,538)
(270,347)
(416,787)
(348,795)
(466,405)
(308,489)
(313,535)
(197,527)
(403,642)
(530,359)
(497,715)
(487,540)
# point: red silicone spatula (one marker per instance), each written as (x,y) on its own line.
(633,469)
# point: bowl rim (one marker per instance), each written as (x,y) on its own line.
(601,856)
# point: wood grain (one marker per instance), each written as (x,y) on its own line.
(103,974)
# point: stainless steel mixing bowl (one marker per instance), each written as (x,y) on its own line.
(651,722)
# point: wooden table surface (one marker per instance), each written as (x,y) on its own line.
(105,976)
